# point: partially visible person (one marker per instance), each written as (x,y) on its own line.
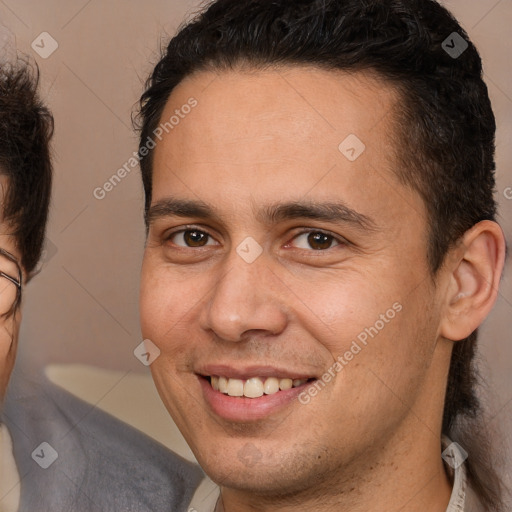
(26,126)
(57,453)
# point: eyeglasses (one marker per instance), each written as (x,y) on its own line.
(10,286)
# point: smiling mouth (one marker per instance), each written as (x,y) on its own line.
(254,387)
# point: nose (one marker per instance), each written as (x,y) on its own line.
(247,299)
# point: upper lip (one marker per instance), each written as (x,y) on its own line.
(247,372)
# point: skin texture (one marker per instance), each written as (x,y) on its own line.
(370,439)
(9,327)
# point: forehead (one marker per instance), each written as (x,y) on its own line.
(288,132)
(280,106)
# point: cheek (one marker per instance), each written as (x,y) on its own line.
(158,305)
(372,328)
(338,311)
(8,347)
(4,357)
(167,302)
(389,357)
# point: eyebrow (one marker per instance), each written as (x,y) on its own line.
(271,214)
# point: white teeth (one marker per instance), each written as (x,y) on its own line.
(253,387)
(271,386)
(285,384)
(223,384)
(235,387)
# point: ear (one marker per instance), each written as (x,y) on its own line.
(475,265)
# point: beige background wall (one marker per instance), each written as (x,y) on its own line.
(83,306)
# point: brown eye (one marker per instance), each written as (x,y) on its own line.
(195,238)
(320,241)
(316,240)
(190,238)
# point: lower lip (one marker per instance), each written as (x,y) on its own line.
(244,409)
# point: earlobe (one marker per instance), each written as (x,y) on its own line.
(477,264)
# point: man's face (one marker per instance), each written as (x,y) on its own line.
(308,252)
(9,325)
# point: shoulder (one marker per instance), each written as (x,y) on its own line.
(96,462)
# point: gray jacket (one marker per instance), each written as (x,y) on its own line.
(96,463)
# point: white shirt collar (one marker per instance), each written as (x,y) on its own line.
(9,476)
(454,458)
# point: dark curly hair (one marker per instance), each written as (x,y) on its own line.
(26,127)
(446,129)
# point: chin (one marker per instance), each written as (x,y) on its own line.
(251,466)
(257,480)
(5,372)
